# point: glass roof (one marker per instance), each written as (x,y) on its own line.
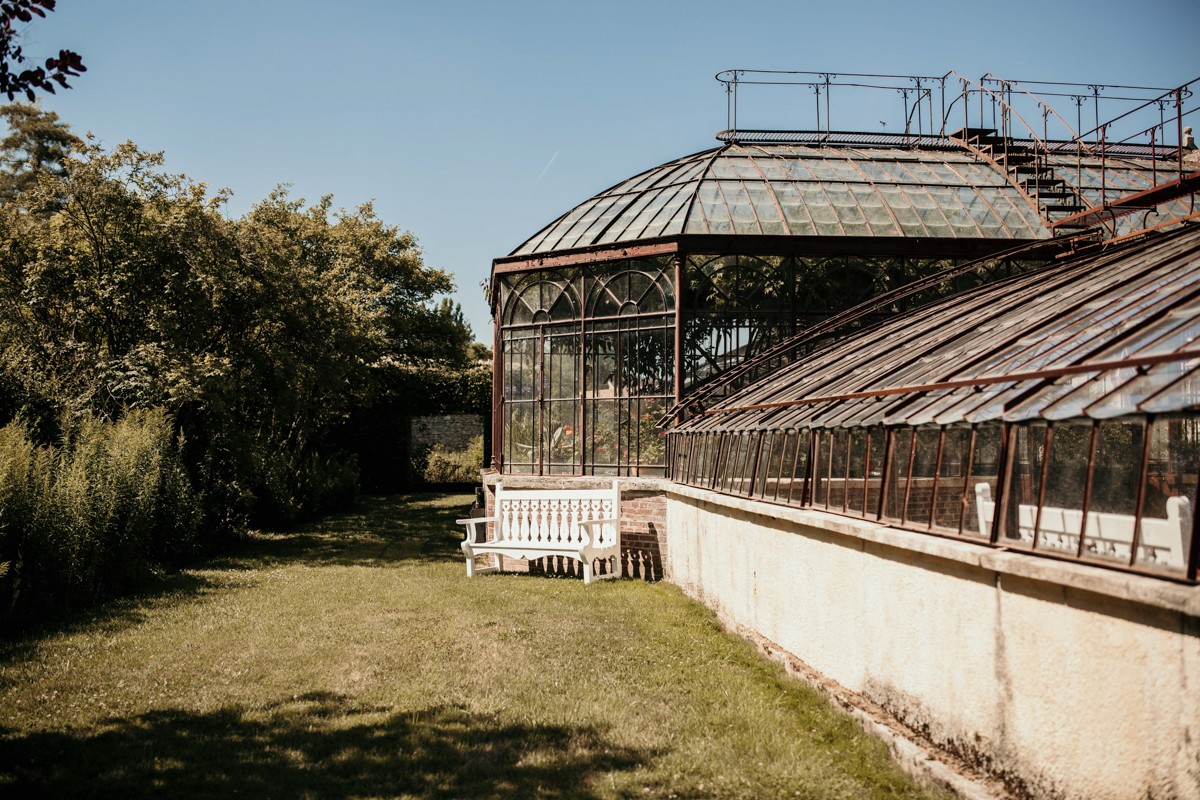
(801,190)
(1107,333)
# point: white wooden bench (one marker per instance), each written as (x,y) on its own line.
(1162,541)
(581,524)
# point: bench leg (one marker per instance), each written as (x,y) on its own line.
(472,569)
(587,572)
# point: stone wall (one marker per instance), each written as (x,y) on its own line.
(451,431)
(1064,680)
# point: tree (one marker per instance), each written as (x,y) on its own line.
(122,287)
(57,68)
(440,333)
(37,140)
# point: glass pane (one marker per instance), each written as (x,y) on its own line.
(603,433)
(820,480)
(519,432)
(802,471)
(952,479)
(783,462)
(562,443)
(1061,514)
(858,440)
(1113,505)
(878,449)
(1029,452)
(764,484)
(839,462)
(981,488)
(893,507)
(651,445)
(1170,494)
(918,501)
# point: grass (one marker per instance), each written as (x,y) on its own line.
(355,659)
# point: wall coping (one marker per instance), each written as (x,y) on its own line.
(628,484)
(1126,586)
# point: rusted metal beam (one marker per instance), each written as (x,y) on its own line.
(964,383)
(1129,204)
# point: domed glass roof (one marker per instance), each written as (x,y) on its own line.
(839,185)
(802,190)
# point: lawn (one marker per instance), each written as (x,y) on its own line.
(353,658)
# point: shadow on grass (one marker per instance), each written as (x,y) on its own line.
(381,530)
(319,745)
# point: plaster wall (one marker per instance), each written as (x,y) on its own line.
(1064,680)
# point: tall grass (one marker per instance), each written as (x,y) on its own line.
(99,514)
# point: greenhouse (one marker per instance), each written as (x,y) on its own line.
(918,413)
(635,298)
(1054,411)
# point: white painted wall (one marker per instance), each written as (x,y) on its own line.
(1073,681)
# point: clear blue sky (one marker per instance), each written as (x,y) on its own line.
(473,123)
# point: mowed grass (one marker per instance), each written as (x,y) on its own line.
(354,659)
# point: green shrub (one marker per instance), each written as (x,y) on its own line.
(98,515)
(454,466)
(288,492)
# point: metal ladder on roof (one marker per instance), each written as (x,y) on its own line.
(1027,166)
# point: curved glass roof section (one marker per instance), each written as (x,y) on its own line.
(802,190)
(1098,336)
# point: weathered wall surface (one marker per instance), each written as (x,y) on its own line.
(451,431)
(1068,681)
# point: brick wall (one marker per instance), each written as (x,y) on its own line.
(643,523)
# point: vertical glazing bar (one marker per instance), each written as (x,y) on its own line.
(696,458)
(1087,489)
(845,472)
(795,466)
(965,495)
(539,372)
(1041,498)
(866,487)
(752,464)
(679,321)
(779,468)
(577,449)
(1139,503)
(908,476)
(1008,447)
(1193,562)
(829,469)
(497,394)
(937,470)
(716,464)
(885,470)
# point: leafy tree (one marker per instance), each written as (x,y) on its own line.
(57,68)
(478,352)
(440,333)
(124,287)
(37,140)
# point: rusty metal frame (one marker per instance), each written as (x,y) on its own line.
(969,383)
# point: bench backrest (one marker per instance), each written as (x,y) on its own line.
(551,517)
(1162,541)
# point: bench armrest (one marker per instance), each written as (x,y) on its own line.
(472,523)
(585,528)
